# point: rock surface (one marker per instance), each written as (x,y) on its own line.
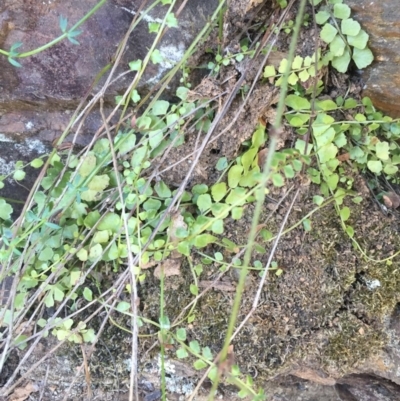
(380,19)
(35,100)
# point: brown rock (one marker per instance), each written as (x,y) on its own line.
(380,19)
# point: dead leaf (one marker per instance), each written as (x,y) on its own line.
(262,156)
(22,393)
(253,3)
(25,329)
(177,222)
(225,366)
(313,376)
(344,157)
(218,285)
(149,264)
(391,200)
(133,122)
(170,267)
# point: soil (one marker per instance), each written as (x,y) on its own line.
(328,310)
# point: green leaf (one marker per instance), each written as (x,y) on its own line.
(194,289)
(171,21)
(71,36)
(288,171)
(350,103)
(182,92)
(164,323)
(204,202)
(318,200)
(307,224)
(325,137)
(99,183)
(328,33)
(359,41)
(74,277)
(222,164)
(184,248)
(152,204)
(337,46)
(326,105)
(248,158)
(297,63)
(321,17)
(63,24)
(199,364)
(283,66)
(341,11)
(111,221)
(342,63)
(304,76)
(162,190)
(278,180)
(181,334)
(160,107)
(203,240)
(297,102)
(123,306)
(82,255)
(46,254)
(88,294)
(128,143)
(181,353)
(36,163)
(135,65)
(213,374)
(218,191)
(154,27)
(91,219)
(220,210)
(382,150)
(293,79)
(89,336)
(195,346)
(19,175)
(390,169)
(101,237)
(237,213)
(5,210)
(238,196)
(14,62)
(155,138)
(375,166)
(350,27)
(269,71)
(363,58)
(217,227)
(258,138)
(341,140)
(95,252)
(234,176)
(200,189)
(350,231)
(156,57)
(345,213)
(297,120)
(327,152)
(88,165)
(139,156)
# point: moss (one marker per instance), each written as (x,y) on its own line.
(319,308)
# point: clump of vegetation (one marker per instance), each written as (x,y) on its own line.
(108,209)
